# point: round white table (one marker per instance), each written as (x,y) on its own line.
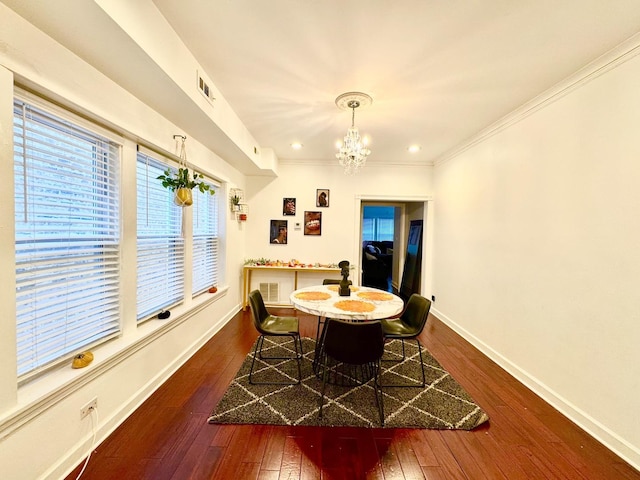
(364,303)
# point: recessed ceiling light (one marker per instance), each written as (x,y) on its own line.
(296,146)
(414,148)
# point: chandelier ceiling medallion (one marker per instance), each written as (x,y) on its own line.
(353,151)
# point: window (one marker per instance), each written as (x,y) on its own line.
(67,234)
(205,241)
(378,223)
(160,275)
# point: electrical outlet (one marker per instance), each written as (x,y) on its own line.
(86,410)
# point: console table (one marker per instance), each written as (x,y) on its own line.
(248,269)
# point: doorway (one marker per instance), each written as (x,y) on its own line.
(378,227)
(404,211)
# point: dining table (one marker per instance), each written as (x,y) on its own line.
(363,304)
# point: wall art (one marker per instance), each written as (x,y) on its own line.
(313,223)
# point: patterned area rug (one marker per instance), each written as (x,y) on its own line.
(441,404)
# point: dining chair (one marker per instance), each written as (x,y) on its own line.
(408,326)
(326,281)
(273,326)
(352,351)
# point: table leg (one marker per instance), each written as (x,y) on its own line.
(246,284)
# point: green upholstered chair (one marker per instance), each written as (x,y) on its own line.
(408,326)
(273,326)
(351,353)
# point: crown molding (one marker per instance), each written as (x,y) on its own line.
(615,57)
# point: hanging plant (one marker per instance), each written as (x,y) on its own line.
(181,182)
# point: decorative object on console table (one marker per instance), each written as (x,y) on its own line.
(181,182)
(293,267)
(344,291)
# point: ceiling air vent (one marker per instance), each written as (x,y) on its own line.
(203,87)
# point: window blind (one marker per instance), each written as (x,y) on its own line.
(160,250)
(205,241)
(67,236)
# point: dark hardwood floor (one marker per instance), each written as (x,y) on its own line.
(168,437)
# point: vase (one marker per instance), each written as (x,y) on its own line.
(183,197)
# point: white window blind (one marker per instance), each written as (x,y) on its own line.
(67,236)
(378,229)
(160,263)
(205,240)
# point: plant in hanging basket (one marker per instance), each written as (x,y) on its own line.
(182,183)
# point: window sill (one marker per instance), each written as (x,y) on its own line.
(47,390)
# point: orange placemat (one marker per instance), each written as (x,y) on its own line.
(335,288)
(313,295)
(376,296)
(355,306)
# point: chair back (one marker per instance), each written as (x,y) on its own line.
(258,310)
(356,343)
(416,312)
(332,281)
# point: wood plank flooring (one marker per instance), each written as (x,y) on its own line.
(168,437)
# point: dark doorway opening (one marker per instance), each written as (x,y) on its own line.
(378,228)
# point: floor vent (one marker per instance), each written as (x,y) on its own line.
(270,292)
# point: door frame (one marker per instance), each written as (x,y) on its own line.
(426,284)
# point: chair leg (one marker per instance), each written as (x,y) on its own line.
(318,350)
(257,352)
(324,383)
(377,387)
(320,322)
(403,354)
(424,378)
(297,340)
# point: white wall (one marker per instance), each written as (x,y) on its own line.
(536,255)
(41,433)
(537,252)
(340,221)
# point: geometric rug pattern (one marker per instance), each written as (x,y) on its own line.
(441,404)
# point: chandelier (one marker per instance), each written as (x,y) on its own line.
(353,151)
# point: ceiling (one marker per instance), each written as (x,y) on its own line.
(439,72)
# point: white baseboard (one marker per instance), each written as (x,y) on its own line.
(108,425)
(629,453)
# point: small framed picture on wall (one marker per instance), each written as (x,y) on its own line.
(288,206)
(278,232)
(322,197)
(313,223)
